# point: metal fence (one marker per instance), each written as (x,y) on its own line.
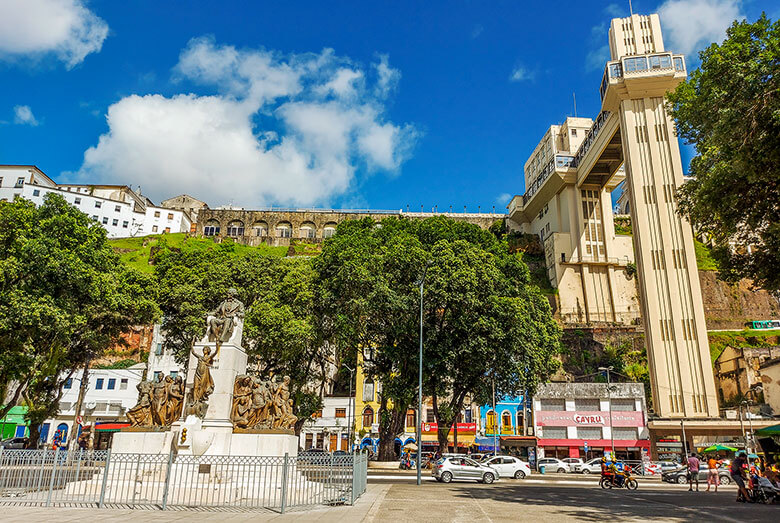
(162,481)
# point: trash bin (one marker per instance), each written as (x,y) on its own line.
(541,469)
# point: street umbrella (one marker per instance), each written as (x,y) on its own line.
(717,447)
(774,430)
(410,446)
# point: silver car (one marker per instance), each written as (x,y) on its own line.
(447,469)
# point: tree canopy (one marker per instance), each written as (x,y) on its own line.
(64,299)
(729,109)
(483,321)
(281,333)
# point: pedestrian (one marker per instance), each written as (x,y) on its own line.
(693,472)
(736,471)
(712,474)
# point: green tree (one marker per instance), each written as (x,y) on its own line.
(64,299)
(281,333)
(483,321)
(729,109)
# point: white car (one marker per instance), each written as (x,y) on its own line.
(573,463)
(592,466)
(508,466)
(552,465)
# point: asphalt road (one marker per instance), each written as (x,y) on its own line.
(548,501)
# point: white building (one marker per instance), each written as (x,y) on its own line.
(110,393)
(118,208)
(161,361)
(329,428)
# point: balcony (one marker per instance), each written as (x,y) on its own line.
(559,161)
(630,67)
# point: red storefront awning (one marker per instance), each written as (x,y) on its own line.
(592,443)
(110,427)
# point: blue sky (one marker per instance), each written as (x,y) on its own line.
(341,104)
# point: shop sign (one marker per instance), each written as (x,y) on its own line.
(462,427)
(594,419)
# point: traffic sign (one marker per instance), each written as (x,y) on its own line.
(586,446)
(79,420)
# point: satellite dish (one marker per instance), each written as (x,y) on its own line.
(91,405)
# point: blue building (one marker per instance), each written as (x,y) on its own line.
(507,428)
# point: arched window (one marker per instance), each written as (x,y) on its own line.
(260,228)
(368,417)
(410,418)
(235,228)
(490,422)
(329,230)
(506,422)
(283,230)
(307,230)
(519,426)
(211,228)
(368,390)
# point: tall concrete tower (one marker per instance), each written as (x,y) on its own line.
(635,80)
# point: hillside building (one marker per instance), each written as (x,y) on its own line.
(122,211)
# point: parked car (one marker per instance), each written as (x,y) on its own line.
(669,466)
(447,469)
(572,463)
(681,476)
(508,466)
(592,466)
(552,465)
(14,443)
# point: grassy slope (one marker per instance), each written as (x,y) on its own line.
(704,260)
(135,251)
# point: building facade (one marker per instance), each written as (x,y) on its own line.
(282,227)
(581,420)
(110,393)
(509,427)
(631,140)
(329,429)
(118,208)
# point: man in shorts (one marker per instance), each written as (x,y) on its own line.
(737,466)
(693,472)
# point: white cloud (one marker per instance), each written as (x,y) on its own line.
(388,77)
(23,115)
(691,25)
(616,10)
(34,28)
(294,129)
(520,73)
(503,198)
(478,29)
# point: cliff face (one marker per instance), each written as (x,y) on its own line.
(729,306)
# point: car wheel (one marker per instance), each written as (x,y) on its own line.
(725,480)
(561,470)
(585,471)
(682,480)
(446,477)
(519,474)
(488,478)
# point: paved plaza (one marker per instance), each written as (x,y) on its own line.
(398,499)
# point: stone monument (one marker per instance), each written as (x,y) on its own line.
(222,410)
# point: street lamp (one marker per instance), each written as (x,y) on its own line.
(609,400)
(421,283)
(746,404)
(351,409)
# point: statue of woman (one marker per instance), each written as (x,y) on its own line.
(160,391)
(242,402)
(203,383)
(175,400)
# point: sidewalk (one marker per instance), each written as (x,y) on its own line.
(343,514)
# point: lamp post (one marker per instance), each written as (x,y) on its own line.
(750,421)
(419,377)
(351,410)
(609,401)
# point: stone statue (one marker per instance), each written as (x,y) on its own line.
(203,383)
(222,321)
(159,402)
(259,404)
(141,414)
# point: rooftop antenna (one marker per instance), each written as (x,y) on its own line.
(574,95)
(630,8)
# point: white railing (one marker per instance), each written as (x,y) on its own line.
(102,478)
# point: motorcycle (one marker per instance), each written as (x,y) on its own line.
(617,479)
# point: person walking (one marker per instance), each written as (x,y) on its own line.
(737,466)
(693,472)
(712,474)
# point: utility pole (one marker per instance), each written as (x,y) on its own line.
(74,432)
(750,421)
(419,378)
(351,411)
(609,401)
(495,420)
(742,426)
(684,442)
